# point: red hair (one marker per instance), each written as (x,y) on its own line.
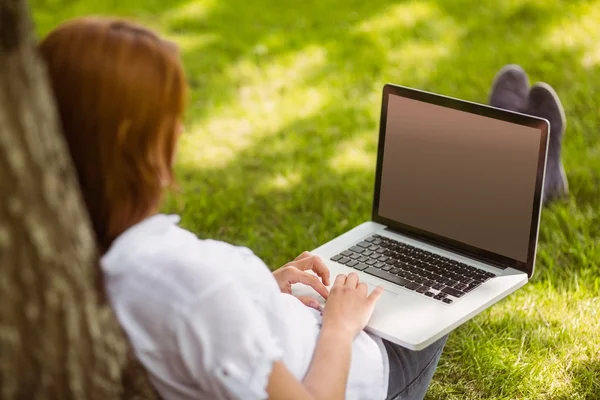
(120,92)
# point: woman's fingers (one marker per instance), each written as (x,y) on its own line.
(312,281)
(317,265)
(375,295)
(307,261)
(352,280)
(309,302)
(362,288)
(340,280)
(303,255)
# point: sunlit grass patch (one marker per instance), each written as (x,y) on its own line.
(579,32)
(399,16)
(264,101)
(280,182)
(355,154)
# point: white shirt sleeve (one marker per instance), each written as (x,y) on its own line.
(226,345)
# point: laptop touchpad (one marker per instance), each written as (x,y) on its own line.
(386,293)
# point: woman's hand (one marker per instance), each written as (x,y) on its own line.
(349,306)
(295,272)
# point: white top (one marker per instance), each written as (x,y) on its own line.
(207,319)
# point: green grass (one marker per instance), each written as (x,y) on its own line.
(281,138)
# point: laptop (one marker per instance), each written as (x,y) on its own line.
(455,218)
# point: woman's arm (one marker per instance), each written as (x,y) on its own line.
(347,312)
(328,373)
(326,377)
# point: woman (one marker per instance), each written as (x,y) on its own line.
(206,319)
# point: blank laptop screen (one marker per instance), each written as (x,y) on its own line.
(459,175)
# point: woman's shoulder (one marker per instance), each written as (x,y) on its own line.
(159,253)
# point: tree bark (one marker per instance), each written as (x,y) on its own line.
(58,338)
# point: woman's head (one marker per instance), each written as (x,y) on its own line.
(120,92)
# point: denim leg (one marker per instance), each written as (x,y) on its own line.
(411,371)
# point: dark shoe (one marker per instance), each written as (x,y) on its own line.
(510,88)
(544,103)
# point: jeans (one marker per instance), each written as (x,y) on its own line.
(411,371)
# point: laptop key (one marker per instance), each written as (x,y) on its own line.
(352,263)
(387,276)
(361,266)
(429,294)
(370,239)
(364,244)
(344,260)
(346,253)
(381,250)
(367,253)
(447,300)
(452,291)
(471,287)
(413,286)
(373,247)
(437,286)
(336,257)
(354,256)
(423,289)
(363,259)
(379,264)
(356,249)
(386,268)
(370,262)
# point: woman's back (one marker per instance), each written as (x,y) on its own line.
(207,319)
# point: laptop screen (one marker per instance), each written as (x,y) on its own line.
(460,175)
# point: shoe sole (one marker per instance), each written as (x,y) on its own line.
(561,109)
(500,74)
(563,116)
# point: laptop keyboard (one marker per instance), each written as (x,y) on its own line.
(415,269)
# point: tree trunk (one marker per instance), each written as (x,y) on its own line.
(58,337)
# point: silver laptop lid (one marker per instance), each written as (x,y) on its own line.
(460,175)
